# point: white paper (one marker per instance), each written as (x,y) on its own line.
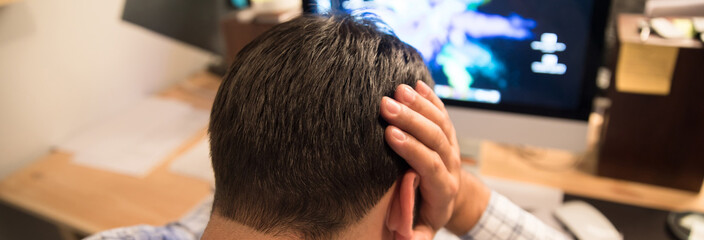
(195,162)
(135,141)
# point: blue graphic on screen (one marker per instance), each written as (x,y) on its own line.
(489,51)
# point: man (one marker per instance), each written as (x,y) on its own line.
(302,147)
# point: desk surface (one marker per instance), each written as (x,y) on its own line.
(90,200)
(497,161)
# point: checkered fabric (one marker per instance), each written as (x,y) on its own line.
(190,227)
(503,220)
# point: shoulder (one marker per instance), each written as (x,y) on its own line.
(140,232)
(190,227)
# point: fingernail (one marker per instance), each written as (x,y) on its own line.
(398,135)
(422,88)
(392,106)
(408,94)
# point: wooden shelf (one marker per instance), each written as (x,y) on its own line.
(628,33)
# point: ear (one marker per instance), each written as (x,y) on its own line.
(400,216)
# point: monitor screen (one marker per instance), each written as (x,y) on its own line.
(528,56)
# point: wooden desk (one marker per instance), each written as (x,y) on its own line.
(547,169)
(88,200)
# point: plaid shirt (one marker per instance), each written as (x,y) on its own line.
(190,227)
(502,219)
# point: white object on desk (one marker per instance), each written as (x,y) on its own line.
(586,222)
(698,24)
(697,231)
(196,162)
(665,28)
(137,140)
(674,8)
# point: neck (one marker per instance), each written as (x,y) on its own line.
(222,228)
(372,226)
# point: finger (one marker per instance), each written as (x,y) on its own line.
(428,93)
(406,95)
(424,90)
(423,232)
(437,182)
(426,131)
(423,160)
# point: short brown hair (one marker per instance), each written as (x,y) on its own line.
(297,141)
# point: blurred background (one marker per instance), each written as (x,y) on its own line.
(67,64)
(76,71)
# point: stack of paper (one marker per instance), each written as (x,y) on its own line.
(195,163)
(137,140)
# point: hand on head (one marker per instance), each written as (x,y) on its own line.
(421,132)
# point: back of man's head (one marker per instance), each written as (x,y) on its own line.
(296,138)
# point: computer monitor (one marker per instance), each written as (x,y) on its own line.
(514,71)
(196,23)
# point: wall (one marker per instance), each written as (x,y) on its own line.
(65,64)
